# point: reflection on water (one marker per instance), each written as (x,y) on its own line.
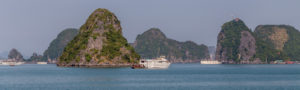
(178,76)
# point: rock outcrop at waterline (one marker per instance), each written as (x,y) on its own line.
(99,43)
(154,43)
(236,44)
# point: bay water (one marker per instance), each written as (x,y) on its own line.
(177,77)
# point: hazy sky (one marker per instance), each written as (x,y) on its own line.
(30,25)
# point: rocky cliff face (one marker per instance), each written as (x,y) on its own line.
(275,35)
(15,55)
(236,44)
(99,43)
(154,43)
(221,52)
(283,39)
(57,46)
(247,47)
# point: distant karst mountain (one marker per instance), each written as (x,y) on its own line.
(99,43)
(153,43)
(237,44)
(15,55)
(57,46)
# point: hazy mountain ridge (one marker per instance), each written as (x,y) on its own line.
(57,46)
(154,43)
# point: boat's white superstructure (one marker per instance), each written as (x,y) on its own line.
(41,63)
(158,63)
(11,63)
(210,62)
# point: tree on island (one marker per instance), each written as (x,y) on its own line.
(35,57)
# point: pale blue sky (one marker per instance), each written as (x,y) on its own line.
(30,25)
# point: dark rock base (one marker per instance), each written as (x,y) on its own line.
(96,65)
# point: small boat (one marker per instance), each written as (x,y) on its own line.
(158,63)
(210,62)
(137,66)
(41,63)
(11,63)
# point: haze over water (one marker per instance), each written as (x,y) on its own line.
(177,77)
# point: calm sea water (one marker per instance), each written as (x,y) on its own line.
(177,77)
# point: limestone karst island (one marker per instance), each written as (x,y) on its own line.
(149,45)
(99,43)
(268,44)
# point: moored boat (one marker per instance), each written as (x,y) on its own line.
(210,62)
(11,63)
(41,63)
(158,63)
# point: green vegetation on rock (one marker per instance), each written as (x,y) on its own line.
(292,46)
(114,41)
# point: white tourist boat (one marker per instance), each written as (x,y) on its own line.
(11,63)
(210,62)
(41,63)
(158,63)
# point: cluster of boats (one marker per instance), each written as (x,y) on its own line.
(15,63)
(11,63)
(158,63)
(162,63)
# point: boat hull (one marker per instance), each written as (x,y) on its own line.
(11,63)
(210,62)
(156,64)
(163,66)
